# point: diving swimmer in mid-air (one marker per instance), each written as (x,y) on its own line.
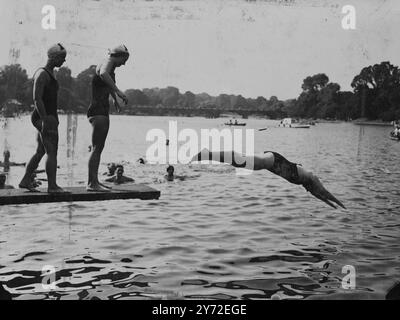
(278,165)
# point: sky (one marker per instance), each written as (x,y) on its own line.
(256,48)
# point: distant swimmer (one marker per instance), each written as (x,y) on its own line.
(3,184)
(141,161)
(170,176)
(397,131)
(45,120)
(119,177)
(6,161)
(277,164)
(103,85)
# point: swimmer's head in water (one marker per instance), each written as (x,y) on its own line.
(120,54)
(111,168)
(57,54)
(170,169)
(120,170)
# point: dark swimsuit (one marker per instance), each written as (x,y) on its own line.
(49,98)
(284,168)
(100,106)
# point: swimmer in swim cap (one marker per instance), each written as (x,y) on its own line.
(103,85)
(170,176)
(45,120)
(119,177)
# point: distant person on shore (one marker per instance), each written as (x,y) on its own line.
(3,185)
(45,120)
(119,177)
(103,85)
(6,160)
(277,164)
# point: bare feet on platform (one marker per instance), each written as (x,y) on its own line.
(97,187)
(56,190)
(28,185)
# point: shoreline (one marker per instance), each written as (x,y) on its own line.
(363,122)
(360,121)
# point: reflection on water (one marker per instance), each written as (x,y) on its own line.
(214,236)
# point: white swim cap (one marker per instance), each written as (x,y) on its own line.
(119,50)
(56,50)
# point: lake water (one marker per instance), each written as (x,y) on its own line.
(216,235)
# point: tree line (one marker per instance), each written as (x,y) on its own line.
(375,95)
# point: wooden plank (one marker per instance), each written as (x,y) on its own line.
(131,191)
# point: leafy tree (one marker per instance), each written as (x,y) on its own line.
(223,101)
(315,82)
(136,98)
(82,86)
(377,88)
(187,100)
(169,96)
(153,96)
(15,84)
(66,96)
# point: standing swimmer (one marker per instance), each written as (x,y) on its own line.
(103,85)
(45,120)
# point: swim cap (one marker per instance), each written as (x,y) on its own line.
(119,50)
(56,50)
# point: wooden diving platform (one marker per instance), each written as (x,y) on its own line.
(118,192)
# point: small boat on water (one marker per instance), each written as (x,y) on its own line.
(291,123)
(230,123)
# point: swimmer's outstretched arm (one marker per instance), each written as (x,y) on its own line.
(127,179)
(278,165)
(112,179)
